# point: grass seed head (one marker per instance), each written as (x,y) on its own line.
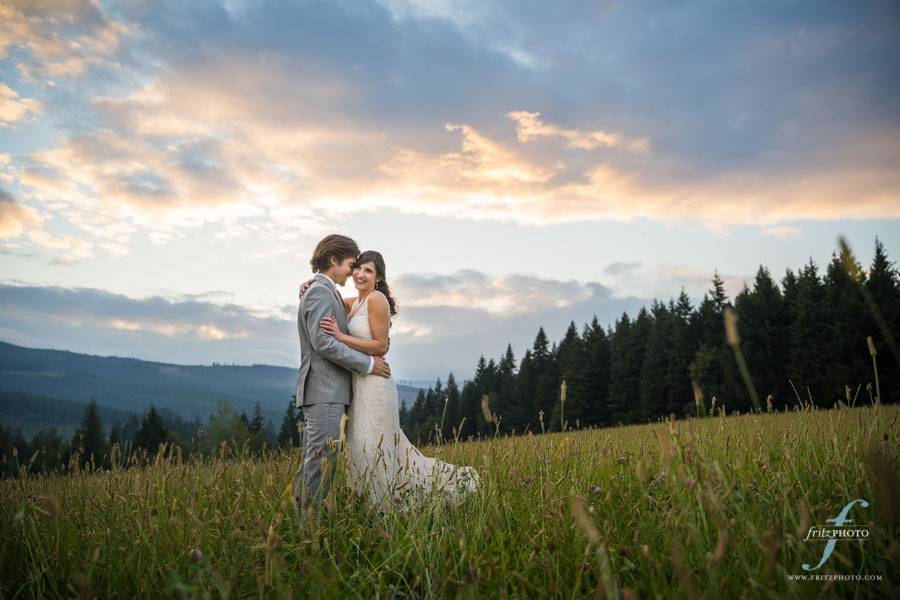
(731,331)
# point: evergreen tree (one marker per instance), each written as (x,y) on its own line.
(597,362)
(846,325)
(883,284)
(90,437)
(256,423)
(115,434)
(762,321)
(152,433)
(520,416)
(452,416)
(573,365)
(681,350)
(714,368)
(807,337)
(506,381)
(288,434)
(621,385)
(654,393)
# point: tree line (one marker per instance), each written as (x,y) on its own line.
(804,341)
(138,439)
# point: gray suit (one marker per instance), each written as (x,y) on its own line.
(323,387)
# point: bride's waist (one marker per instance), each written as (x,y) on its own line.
(371,378)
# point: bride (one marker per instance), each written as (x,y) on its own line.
(383,464)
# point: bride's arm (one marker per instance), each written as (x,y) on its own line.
(378,323)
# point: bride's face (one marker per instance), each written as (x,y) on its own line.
(365,276)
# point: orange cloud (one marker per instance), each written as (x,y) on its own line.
(14,109)
(529,127)
(62,39)
(16,218)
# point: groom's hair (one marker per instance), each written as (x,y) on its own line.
(334,246)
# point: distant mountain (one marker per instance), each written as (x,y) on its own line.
(132,385)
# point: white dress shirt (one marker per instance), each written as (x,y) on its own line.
(334,285)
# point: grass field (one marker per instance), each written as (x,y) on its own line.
(705,508)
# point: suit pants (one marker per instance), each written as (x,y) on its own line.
(321,444)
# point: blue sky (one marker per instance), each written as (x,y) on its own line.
(166,168)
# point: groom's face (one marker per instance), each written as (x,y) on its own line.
(343,269)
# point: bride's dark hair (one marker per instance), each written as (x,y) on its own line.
(381,281)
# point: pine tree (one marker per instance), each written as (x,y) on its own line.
(506,381)
(762,321)
(452,416)
(256,424)
(681,351)
(90,437)
(520,415)
(883,284)
(807,338)
(713,367)
(654,393)
(152,433)
(573,365)
(846,325)
(597,353)
(288,434)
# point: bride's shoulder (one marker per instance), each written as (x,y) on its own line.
(378,299)
(377,296)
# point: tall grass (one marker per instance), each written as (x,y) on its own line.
(710,508)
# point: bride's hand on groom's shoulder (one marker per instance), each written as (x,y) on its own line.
(329,325)
(305,286)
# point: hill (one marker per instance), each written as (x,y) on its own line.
(131,385)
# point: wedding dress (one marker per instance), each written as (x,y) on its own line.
(383,464)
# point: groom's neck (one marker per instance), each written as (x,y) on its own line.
(329,274)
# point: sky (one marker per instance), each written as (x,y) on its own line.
(166,168)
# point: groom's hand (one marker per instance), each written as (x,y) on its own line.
(381,367)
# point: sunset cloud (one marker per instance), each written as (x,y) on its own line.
(58,39)
(14,109)
(530,127)
(15,218)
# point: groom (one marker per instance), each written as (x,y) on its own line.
(323,384)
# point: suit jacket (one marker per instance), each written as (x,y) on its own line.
(325,363)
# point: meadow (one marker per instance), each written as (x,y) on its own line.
(713,507)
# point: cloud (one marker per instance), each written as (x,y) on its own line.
(663,280)
(58,39)
(445,321)
(529,127)
(783,231)
(620,268)
(320,110)
(15,218)
(156,328)
(14,109)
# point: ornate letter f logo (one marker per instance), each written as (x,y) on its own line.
(838,521)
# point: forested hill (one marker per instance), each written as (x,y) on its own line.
(132,385)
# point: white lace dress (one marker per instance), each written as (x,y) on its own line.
(383,464)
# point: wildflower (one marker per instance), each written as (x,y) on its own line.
(196,555)
(597,490)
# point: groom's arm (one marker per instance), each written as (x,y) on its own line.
(317,306)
